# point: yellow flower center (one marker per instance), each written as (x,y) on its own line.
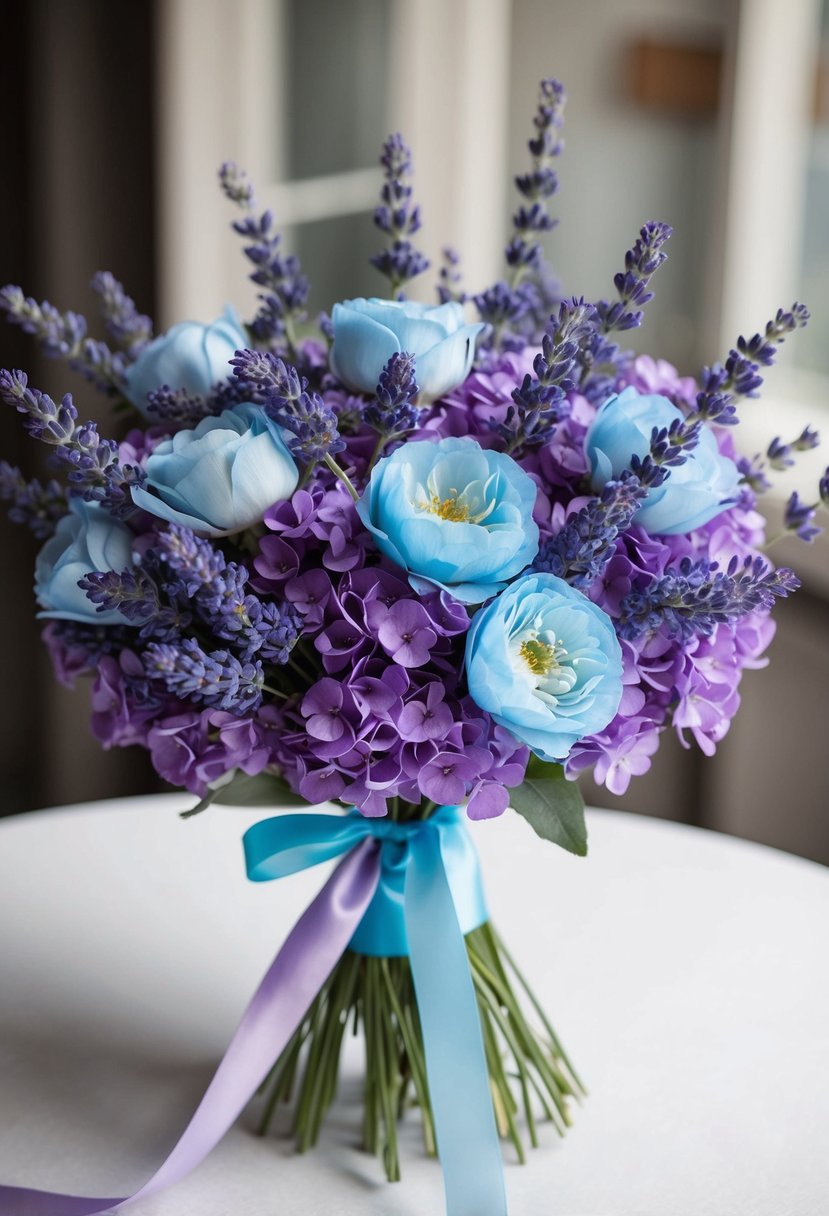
(539,657)
(450,508)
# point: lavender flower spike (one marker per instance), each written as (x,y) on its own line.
(697,596)
(284,286)
(217,679)
(64,335)
(798,517)
(397,218)
(278,386)
(740,376)
(632,283)
(37,506)
(582,549)
(393,413)
(93,465)
(505,303)
(130,330)
(541,401)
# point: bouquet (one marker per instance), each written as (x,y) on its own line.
(425,568)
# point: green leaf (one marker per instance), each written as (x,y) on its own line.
(552,805)
(265,789)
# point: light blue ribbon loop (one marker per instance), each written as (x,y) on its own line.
(277,847)
(428,897)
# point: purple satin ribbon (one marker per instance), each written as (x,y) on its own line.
(296,975)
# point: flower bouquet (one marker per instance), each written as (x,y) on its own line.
(420,567)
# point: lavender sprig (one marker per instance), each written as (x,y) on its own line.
(92,462)
(312,427)
(398,218)
(236,185)
(193,559)
(724,384)
(129,328)
(176,405)
(601,359)
(798,517)
(780,455)
(267,630)
(753,475)
(136,595)
(541,402)
(182,408)
(697,596)
(64,335)
(393,412)
(217,590)
(669,447)
(284,394)
(540,184)
(580,552)
(39,507)
(505,304)
(216,679)
(449,287)
(285,287)
(633,283)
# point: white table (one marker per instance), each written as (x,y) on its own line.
(686,973)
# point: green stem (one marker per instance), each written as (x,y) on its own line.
(416,1057)
(378,447)
(275,692)
(529,1077)
(342,475)
(498,946)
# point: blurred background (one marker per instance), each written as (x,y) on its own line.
(710,114)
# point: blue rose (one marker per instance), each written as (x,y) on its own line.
(191,356)
(85,540)
(368,332)
(694,492)
(545,663)
(222,476)
(454,515)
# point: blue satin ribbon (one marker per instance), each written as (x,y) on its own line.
(429,895)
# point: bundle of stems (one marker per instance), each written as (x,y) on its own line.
(530,1075)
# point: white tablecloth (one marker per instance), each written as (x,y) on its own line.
(685,972)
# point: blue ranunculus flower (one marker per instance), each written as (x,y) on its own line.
(368,332)
(694,492)
(545,663)
(85,540)
(454,515)
(191,356)
(222,476)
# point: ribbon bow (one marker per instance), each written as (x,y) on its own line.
(402,888)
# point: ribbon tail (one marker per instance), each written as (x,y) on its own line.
(296,975)
(467,1137)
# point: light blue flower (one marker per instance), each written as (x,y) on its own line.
(545,663)
(191,355)
(222,476)
(85,540)
(695,491)
(454,515)
(368,332)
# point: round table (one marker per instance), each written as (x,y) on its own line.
(685,972)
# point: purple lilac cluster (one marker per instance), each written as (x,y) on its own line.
(303,645)
(388,716)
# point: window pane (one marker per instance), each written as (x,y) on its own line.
(335,85)
(334,254)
